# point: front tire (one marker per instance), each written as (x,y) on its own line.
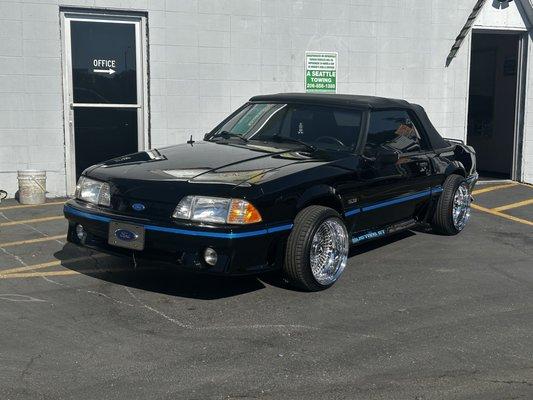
(317,249)
(453,207)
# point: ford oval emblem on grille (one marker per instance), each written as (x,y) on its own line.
(125,235)
(138,206)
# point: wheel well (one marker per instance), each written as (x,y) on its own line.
(464,158)
(326,201)
(459,171)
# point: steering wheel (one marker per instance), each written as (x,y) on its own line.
(330,139)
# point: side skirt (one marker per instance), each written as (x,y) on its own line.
(364,236)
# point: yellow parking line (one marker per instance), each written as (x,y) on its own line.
(514,205)
(36,274)
(500,214)
(51,203)
(491,188)
(30,221)
(30,241)
(51,264)
(61,273)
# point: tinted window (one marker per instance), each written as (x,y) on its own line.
(103,62)
(103,133)
(395,130)
(325,127)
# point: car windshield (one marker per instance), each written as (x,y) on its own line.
(305,125)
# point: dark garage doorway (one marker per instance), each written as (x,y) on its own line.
(492,109)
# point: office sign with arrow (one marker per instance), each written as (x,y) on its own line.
(104,62)
(104,66)
(109,71)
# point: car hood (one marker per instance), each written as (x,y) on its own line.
(210,162)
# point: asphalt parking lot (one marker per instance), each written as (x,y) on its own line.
(416,316)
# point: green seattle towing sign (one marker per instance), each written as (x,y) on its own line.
(320,72)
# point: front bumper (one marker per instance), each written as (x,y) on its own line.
(241,250)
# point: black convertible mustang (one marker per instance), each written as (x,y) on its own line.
(288,181)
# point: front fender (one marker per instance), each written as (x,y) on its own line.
(320,194)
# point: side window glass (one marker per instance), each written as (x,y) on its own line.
(393,130)
(421,134)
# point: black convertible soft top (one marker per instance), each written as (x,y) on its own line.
(361,102)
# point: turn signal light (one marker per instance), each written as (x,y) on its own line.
(242,212)
(218,210)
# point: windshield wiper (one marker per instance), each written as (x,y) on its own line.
(229,135)
(277,138)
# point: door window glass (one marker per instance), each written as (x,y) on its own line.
(104,66)
(103,133)
(393,129)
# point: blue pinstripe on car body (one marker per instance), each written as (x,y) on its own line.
(396,200)
(264,231)
(189,232)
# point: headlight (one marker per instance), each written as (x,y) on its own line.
(92,191)
(217,210)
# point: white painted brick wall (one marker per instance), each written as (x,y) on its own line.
(209,56)
(527,150)
(31,124)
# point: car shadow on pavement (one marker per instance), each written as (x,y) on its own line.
(167,279)
(276,279)
(155,277)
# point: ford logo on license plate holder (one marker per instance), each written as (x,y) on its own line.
(126,235)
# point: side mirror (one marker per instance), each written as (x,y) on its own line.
(3,194)
(388,157)
(206,136)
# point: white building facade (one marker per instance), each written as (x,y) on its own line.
(84,80)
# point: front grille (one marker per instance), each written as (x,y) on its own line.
(152,209)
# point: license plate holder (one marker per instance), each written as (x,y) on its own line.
(128,236)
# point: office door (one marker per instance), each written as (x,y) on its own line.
(105,89)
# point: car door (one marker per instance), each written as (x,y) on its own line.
(393,188)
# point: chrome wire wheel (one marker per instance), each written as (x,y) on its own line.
(461,206)
(329,251)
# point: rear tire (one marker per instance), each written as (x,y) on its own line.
(317,249)
(453,207)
